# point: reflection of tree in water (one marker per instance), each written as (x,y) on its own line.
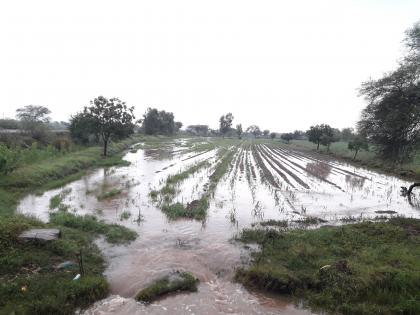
(158,154)
(319,169)
(355,182)
(257,211)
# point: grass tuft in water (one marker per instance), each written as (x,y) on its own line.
(113,233)
(175,282)
(109,194)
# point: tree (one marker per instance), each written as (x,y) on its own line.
(272,135)
(314,135)
(33,114)
(266,132)
(298,135)
(178,125)
(320,134)
(358,143)
(158,122)
(254,129)
(83,129)
(328,136)
(225,123)
(198,130)
(287,137)
(33,119)
(110,118)
(347,134)
(391,119)
(239,130)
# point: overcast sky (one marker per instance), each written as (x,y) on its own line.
(282,65)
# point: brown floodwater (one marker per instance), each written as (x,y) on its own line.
(300,186)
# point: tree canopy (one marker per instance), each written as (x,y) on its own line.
(106,118)
(391,119)
(254,129)
(321,134)
(225,123)
(158,122)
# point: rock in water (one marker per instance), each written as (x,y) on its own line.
(43,235)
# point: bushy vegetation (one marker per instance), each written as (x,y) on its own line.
(159,122)
(364,268)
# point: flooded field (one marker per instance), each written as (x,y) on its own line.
(262,181)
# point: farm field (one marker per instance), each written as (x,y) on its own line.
(188,199)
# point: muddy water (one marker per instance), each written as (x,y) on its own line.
(206,249)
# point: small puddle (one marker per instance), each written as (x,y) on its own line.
(206,249)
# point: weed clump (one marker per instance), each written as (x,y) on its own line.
(109,194)
(196,209)
(175,282)
(113,233)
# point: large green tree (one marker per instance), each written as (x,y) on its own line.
(321,134)
(110,119)
(158,122)
(391,119)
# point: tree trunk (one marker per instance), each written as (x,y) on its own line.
(105,147)
(355,154)
(317,148)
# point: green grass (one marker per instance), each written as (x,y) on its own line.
(56,200)
(196,209)
(113,233)
(364,268)
(125,215)
(29,282)
(182,281)
(109,194)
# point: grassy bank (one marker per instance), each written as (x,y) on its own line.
(364,268)
(368,159)
(30,283)
(55,172)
